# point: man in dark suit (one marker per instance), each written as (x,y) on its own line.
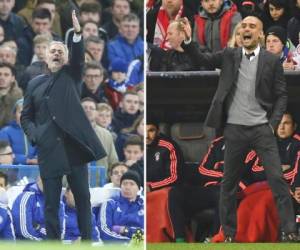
(249,103)
(54,120)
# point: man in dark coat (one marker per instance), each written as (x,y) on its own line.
(54,120)
(249,103)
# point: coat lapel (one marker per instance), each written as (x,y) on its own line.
(260,65)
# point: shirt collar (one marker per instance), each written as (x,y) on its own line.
(256,51)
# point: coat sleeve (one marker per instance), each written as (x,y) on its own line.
(77,60)
(279,94)
(106,223)
(172,162)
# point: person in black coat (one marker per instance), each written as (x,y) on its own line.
(249,103)
(54,120)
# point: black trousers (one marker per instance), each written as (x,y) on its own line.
(186,201)
(238,141)
(78,182)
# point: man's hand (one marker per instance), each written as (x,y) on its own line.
(187,29)
(76,25)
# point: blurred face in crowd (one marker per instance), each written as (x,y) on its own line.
(90,16)
(6,7)
(130,30)
(140,128)
(120,9)
(251,32)
(92,79)
(2,35)
(6,78)
(2,182)
(117,173)
(8,55)
(90,29)
(41,26)
(56,56)
(133,153)
(70,198)
(90,110)
(130,104)
(141,100)
(275,12)
(19,109)
(286,127)
(49,6)
(119,77)
(174,36)
(211,6)
(104,118)
(298,3)
(96,49)
(6,156)
(40,51)
(152,133)
(171,6)
(274,45)
(129,189)
(238,37)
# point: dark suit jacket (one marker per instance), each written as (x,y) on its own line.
(53,118)
(270,83)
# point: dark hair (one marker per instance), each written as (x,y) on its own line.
(131,17)
(8,65)
(93,65)
(113,2)
(4,176)
(88,99)
(129,92)
(116,164)
(41,13)
(90,7)
(93,39)
(290,115)
(134,140)
(89,21)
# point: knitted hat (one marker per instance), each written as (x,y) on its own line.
(131,175)
(118,65)
(279,32)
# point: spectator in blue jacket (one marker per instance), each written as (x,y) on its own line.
(7,231)
(28,213)
(72,232)
(121,217)
(127,45)
(14,134)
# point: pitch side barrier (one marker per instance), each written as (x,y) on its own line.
(186,96)
(22,174)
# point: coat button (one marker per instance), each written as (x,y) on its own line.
(47,97)
(53,117)
(58,139)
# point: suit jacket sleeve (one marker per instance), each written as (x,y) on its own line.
(280,95)
(77,60)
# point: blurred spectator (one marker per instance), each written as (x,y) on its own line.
(7,231)
(121,217)
(160,16)
(276,39)
(293,26)
(38,65)
(236,40)
(93,78)
(276,12)
(116,85)
(104,117)
(133,150)
(137,128)
(95,46)
(127,45)
(248,7)
(6,153)
(127,112)
(215,23)
(140,91)
(26,13)
(105,137)
(72,232)
(28,212)
(2,34)
(41,24)
(13,25)
(119,9)
(13,133)
(115,173)
(9,93)
(3,180)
